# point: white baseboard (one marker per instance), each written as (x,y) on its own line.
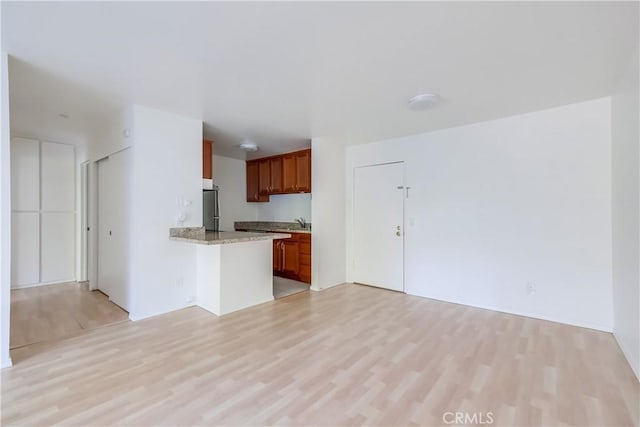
(318,289)
(572,322)
(6,362)
(633,363)
(33,285)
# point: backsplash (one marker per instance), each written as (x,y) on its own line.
(270,225)
(285,208)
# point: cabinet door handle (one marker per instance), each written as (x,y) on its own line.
(283,257)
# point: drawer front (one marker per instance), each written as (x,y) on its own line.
(299,237)
(305,248)
(302,237)
(305,259)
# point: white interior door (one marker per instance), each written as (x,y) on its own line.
(113,271)
(379,225)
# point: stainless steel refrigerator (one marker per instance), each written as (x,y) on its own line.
(211,209)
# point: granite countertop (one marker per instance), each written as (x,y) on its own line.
(199,236)
(277,227)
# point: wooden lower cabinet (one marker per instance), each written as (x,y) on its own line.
(304,271)
(292,257)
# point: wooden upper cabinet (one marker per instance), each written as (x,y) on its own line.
(303,171)
(275,165)
(264,168)
(207,159)
(289,173)
(253,183)
(283,174)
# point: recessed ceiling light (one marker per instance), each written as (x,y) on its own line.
(248,146)
(64,116)
(423,101)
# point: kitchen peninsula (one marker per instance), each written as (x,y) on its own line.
(224,283)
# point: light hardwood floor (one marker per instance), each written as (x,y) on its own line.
(350,355)
(52,312)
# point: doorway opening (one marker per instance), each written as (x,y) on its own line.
(50,299)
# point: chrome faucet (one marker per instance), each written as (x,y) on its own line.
(302,222)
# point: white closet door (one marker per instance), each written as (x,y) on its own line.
(58,247)
(25,174)
(113,230)
(25,249)
(58,177)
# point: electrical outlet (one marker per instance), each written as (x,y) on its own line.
(531,289)
(191,299)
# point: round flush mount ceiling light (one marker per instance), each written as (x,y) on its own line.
(423,101)
(248,146)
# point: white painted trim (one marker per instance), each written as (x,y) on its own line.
(35,285)
(6,362)
(83,256)
(316,289)
(5,213)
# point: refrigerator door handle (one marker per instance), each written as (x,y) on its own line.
(216,206)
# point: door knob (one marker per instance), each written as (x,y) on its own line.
(398,233)
(398,228)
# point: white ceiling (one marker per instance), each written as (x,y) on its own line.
(282,73)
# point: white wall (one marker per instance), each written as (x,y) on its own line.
(5,215)
(231,178)
(166,168)
(626,213)
(286,207)
(328,211)
(494,206)
(113,136)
